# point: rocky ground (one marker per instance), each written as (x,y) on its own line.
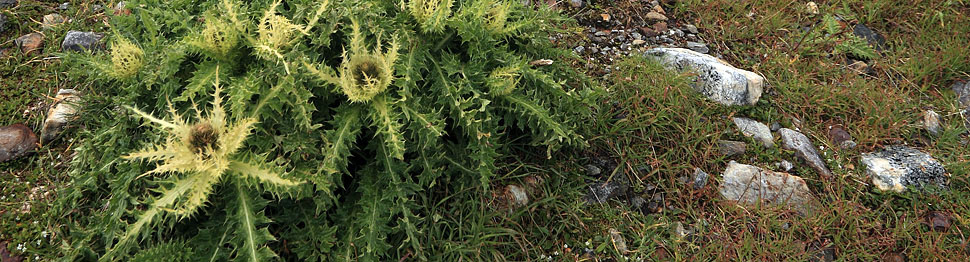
(815,135)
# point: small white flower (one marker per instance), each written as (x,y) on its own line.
(555,253)
(43,234)
(565,245)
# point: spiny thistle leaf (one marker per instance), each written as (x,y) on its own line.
(250,240)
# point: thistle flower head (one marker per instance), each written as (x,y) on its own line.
(366,73)
(219,37)
(126,59)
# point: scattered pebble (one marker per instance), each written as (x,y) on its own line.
(653,15)
(80,41)
(698,47)
(840,137)
(931,122)
(754,129)
(874,39)
(618,242)
(51,20)
(30,42)
(59,115)
(804,149)
(812,8)
(692,29)
(16,140)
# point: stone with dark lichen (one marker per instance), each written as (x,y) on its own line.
(895,168)
(81,41)
(716,79)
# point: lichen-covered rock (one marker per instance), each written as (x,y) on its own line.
(600,192)
(754,129)
(63,110)
(81,41)
(716,79)
(751,185)
(30,42)
(894,168)
(15,141)
(804,149)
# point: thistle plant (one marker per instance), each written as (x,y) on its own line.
(198,155)
(383,119)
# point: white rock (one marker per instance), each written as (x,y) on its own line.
(751,128)
(716,79)
(751,185)
(518,195)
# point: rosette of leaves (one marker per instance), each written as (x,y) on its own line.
(383,106)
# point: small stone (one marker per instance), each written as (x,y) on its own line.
(754,129)
(30,42)
(601,33)
(861,68)
(16,140)
(962,90)
(593,171)
(64,6)
(715,79)
(639,42)
(594,50)
(3,23)
(692,29)
(679,231)
(897,167)
(812,8)
(659,9)
(653,15)
(785,166)
(793,140)
(517,195)
(677,33)
(81,41)
(6,255)
(618,242)
(931,122)
(636,36)
(775,126)
(874,39)
(606,17)
(120,9)
(649,32)
(751,185)
(840,137)
(730,148)
(600,192)
(576,3)
(51,20)
(938,221)
(699,178)
(8,3)
(579,49)
(698,47)
(59,115)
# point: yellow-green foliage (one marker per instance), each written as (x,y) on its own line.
(126,59)
(382,106)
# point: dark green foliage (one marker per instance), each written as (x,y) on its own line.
(459,94)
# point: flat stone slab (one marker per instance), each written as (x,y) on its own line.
(716,79)
(751,185)
(804,149)
(895,168)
